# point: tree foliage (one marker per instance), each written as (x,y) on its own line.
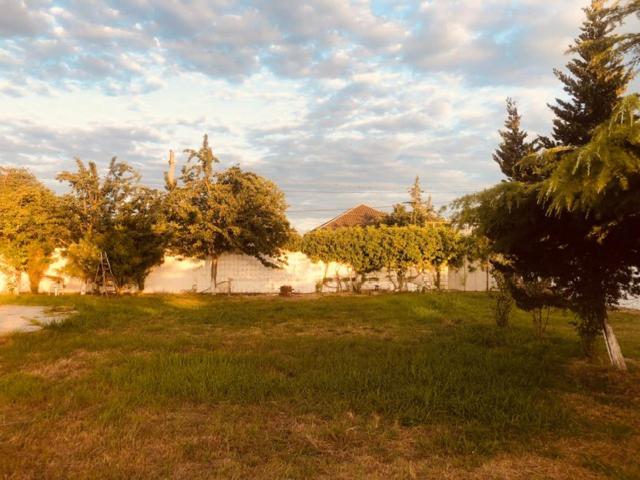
(596,80)
(114,214)
(514,145)
(405,252)
(578,228)
(30,224)
(628,43)
(421,213)
(210,213)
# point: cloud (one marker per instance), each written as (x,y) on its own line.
(79,42)
(48,150)
(493,41)
(354,96)
(20,18)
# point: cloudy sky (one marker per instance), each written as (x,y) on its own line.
(338,102)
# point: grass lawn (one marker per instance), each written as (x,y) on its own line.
(389,386)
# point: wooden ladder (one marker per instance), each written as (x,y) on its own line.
(105,282)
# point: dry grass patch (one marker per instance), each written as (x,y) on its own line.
(77,365)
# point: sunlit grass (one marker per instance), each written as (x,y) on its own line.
(297,387)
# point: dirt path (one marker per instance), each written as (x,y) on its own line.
(17,318)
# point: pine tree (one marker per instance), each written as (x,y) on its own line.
(421,209)
(629,43)
(596,80)
(514,146)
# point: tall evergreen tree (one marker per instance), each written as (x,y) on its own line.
(422,211)
(514,146)
(629,43)
(596,80)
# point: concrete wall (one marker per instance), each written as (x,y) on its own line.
(470,279)
(633,302)
(54,278)
(238,274)
(244,274)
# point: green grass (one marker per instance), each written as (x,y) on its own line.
(396,386)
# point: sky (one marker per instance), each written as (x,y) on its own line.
(338,102)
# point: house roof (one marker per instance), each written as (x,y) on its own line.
(361,216)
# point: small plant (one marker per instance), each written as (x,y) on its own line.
(540,318)
(535,291)
(504,301)
(286,290)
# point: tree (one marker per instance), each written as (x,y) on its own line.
(596,80)
(357,247)
(137,240)
(628,43)
(504,299)
(116,215)
(406,253)
(30,224)
(514,146)
(422,211)
(578,227)
(211,213)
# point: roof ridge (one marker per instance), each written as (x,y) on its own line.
(347,212)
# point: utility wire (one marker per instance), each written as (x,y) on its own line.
(333,209)
(350,192)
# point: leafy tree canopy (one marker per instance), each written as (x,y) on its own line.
(400,250)
(210,213)
(628,43)
(514,145)
(117,215)
(421,213)
(30,223)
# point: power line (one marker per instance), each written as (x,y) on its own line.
(394,192)
(353,192)
(332,209)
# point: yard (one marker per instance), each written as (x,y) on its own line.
(388,386)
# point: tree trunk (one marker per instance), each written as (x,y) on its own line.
(17,282)
(214,273)
(324,277)
(613,347)
(34,282)
(488,287)
(390,277)
(402,281)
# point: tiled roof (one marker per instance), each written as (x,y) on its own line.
(361,215)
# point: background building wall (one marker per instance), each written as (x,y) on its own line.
(236,274)
(471,278)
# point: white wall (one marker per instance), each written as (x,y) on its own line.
(471,278)
(236,274)
(49,282)
(245,274)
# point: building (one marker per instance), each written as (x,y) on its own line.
(361,216)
